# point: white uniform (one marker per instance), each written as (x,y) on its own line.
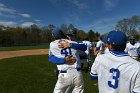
(132,49)
(100,46)
(117,72)
(89,46)
(70,75)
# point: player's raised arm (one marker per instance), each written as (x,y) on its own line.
(77,46)
(71,35)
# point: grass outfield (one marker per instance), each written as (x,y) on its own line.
(32,74)
(22,48)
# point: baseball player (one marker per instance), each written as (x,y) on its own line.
(89,52)
(68,64)
(133,48)
(100,47)
(71,35)
(116,71)
(106,50)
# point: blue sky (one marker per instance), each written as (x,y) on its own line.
(99,15)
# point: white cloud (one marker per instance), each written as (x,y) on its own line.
(10,12)
(109,4)
(2,5)
(25,15)
(7,23)
(4,8)
(27,24)
(37,20)
(14,14)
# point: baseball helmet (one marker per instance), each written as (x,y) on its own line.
(57,33)
(72,32)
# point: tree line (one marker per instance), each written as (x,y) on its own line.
(11,36)
(15,36)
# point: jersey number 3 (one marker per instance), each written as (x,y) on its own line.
(114,85)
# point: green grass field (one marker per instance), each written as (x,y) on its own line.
(14,48)
(32,74)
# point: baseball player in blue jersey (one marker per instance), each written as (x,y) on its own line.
(133,48)
(69,69)
(116,71)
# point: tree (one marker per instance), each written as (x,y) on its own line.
(81,34)
(64,28)
(71,26)
(130,25)
(92,35)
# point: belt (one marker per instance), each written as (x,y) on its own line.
(65,71)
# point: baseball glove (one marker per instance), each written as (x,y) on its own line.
(70,60)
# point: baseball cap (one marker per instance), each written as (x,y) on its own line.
(117,38)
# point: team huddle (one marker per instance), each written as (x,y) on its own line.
(115,67)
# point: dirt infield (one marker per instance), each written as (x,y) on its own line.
(10,54)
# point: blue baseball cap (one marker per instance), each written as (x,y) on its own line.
(117,38)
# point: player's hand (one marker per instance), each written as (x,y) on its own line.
(70,60)
(64,45)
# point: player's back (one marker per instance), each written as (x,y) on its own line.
(117,73)
(62,53)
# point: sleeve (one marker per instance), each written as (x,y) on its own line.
(94,68)
(79,46)
(55,59)
(137,84)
